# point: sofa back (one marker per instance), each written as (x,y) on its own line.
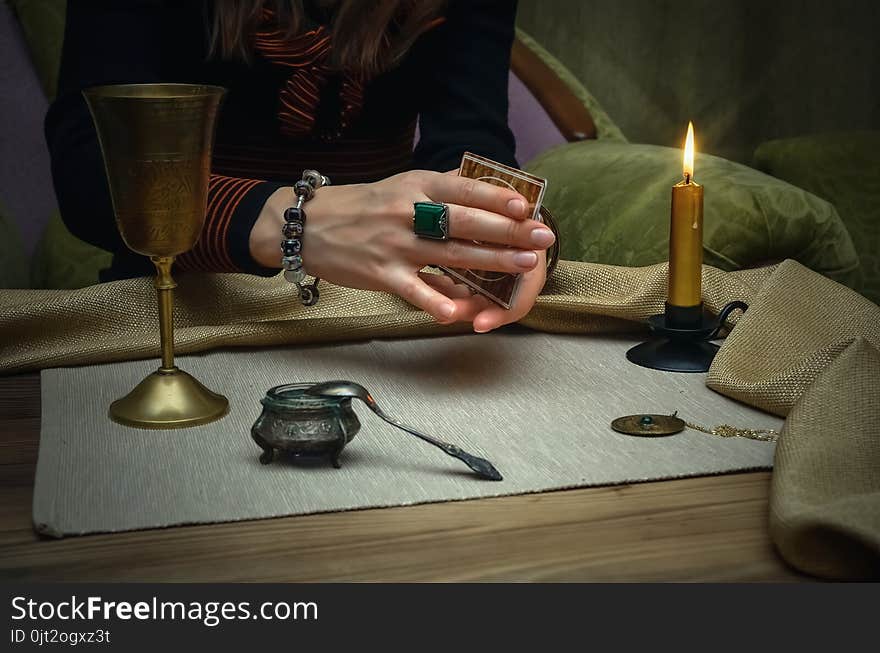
(25,179)
(744,71)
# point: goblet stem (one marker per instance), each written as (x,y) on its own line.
(165,286)
(169,397)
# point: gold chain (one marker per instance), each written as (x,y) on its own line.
(728,431)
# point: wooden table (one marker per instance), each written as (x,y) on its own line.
(700,529)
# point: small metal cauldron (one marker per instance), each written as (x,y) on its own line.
(303,425)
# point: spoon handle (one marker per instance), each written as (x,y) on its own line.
(480,465)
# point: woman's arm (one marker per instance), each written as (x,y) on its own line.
(358,235)
(111,42)
(463,86)
(361,235)
(463,107)
(102,44)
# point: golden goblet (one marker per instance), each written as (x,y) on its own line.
(157,140)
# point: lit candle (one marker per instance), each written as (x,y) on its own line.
(686,235)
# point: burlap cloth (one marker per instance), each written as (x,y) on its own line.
(118,320)
(825,501)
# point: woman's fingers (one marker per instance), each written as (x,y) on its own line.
(484,212)
(468,223)
(452,189)
(446,285)
(417,292)
(494,316)
(466,254)
(468,305)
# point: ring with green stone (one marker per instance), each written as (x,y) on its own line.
(431,220)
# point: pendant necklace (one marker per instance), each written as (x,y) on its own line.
(652,426)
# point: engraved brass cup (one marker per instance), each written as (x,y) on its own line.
(157,140)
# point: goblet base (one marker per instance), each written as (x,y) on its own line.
(168,399)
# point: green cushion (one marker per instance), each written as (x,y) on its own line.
(42,22)
(13,269)
(843,168)
(612,202)
(63,261)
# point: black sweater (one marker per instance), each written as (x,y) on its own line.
(454,81)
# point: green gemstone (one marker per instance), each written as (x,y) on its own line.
(429,220)
(646,420)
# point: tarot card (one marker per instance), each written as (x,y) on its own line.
(500,287)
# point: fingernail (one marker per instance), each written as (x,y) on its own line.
(516,207)
(542,237)
(447,310)
(525,259)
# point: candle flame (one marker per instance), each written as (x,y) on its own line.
(689,153)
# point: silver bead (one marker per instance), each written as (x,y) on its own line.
(304,190)
(314,178)
(294,262)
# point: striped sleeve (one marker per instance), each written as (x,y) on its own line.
(233,207)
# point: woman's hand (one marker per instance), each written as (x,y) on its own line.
(361,236)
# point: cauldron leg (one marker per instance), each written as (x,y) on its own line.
(268,454)
(343,440)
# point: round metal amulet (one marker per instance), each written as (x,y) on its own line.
(648,426)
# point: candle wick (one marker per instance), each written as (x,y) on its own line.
(687,177)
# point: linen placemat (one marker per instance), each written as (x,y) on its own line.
(537,405)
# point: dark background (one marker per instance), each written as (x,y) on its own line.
(745,71)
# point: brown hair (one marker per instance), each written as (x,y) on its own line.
(368,36)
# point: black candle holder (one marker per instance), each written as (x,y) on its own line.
(683,338)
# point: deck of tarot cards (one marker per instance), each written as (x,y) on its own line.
(500,287)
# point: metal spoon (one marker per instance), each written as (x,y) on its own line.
(481,466)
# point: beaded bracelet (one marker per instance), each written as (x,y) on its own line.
(292,233)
